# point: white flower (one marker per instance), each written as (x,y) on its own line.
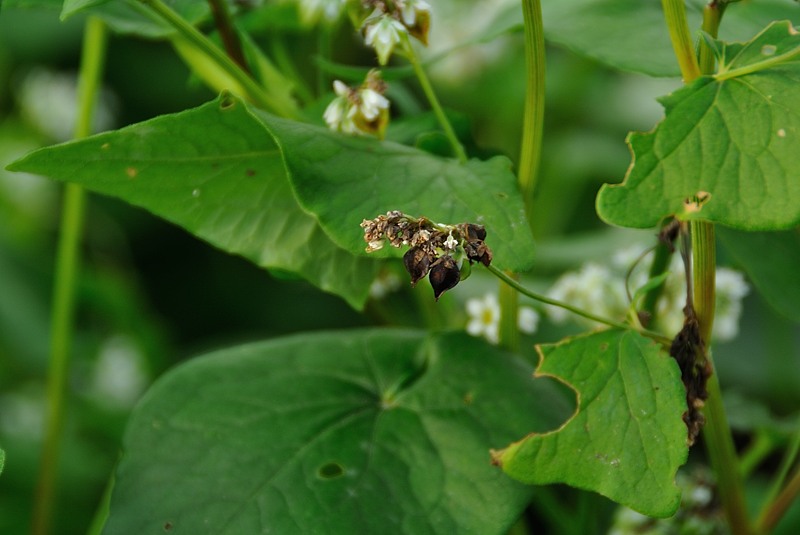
(731,289)
(339,113)
(450,243)
(593,288)
(383,35)
(527,320)
(409,9)
(384,284)
(372,103)
(484,317)
(357,111)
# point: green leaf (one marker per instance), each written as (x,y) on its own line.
(2,460)
(134,17)
(730,140)
(631,35)
(627,438)
(343,180)
(770,260)
(216,172)
(377,431)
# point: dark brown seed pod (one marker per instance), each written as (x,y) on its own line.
(417,263)
(475,232)
(444,275)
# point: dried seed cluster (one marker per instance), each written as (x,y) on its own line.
(688,349)
(434,249)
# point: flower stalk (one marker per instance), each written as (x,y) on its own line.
(67,265)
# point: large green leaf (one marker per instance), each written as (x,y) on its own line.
(365,432)
(771,260)
(343,180)
(135,17)
(216,172)
(731,138)
(632,34)
(627,438)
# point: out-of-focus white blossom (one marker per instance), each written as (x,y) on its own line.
(48,100)
(119,376)
(384,284)
(600,289)
(593,288)
(312,11)
(527,320)
(731,289)
(484,317)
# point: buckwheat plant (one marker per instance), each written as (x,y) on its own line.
(370,406)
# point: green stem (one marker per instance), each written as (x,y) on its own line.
(780,505)
(583,313)
(66,272)
(663,254)
(759,449)
(227,33)
(717,432)
(774,502)
(712,16)
(533,120)
(509,314)
(427,88)
(675,15)
(254,91)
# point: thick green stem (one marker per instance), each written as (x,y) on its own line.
(533,119)
(66,273)
(509,314)
(254,91)
(583,313)
(430,94)
(717,432)
(675,15)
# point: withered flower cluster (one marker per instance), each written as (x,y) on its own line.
(434,249)
(688,349)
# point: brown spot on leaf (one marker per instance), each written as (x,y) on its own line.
(131,172)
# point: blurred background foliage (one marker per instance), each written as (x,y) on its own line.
(151,295)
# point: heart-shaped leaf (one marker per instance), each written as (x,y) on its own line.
(216,172)
(375,431)
(627,437)
(343,180)
(728,141)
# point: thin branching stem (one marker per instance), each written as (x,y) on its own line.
(430,94)
(663,340)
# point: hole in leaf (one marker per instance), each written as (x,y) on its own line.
(227,102)
(768,50)
(331,470)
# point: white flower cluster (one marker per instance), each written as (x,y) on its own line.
(484,318)
(389,24)
(362,110)
(601,289)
